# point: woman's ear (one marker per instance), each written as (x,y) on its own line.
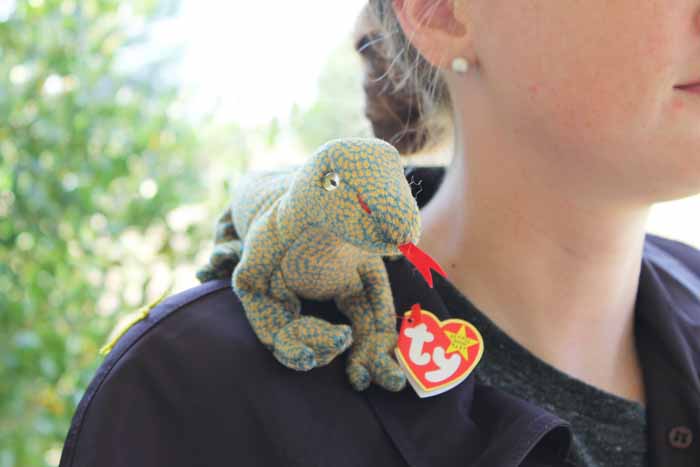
(436,28)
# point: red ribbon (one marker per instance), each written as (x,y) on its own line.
(422,261)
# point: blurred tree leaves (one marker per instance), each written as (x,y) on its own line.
(108,193)
(338,110)
(94,161)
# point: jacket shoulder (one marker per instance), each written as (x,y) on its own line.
(179,342)
(183,309)
(191,383)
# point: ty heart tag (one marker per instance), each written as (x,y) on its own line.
(436,355)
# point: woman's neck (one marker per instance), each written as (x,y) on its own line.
(556,274)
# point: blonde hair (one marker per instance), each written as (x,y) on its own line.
(407,100)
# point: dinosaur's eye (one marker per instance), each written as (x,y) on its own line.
(331,181)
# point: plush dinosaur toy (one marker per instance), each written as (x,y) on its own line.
(319,231)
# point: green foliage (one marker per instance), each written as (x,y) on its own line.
(92,160)
(107,194)
(339,108)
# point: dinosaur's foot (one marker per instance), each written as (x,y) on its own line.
(222,262)
(371,361)
(308,342)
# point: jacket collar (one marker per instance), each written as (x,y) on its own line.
(478,425)
(667,332)
(670,308)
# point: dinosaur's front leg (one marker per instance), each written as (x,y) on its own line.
(370,308)
(298,342)
(307,341)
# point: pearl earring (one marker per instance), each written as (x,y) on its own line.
(460,65)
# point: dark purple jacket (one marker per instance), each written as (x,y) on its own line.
(191,385)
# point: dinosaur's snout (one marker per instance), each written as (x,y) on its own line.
(398,233)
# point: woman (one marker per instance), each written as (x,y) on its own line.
(569,123)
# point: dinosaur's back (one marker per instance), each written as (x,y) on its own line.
(255,193)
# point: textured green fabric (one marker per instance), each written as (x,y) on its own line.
(290,233)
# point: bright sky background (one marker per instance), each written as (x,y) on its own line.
(256,58)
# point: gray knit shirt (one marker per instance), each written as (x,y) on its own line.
(609,431)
